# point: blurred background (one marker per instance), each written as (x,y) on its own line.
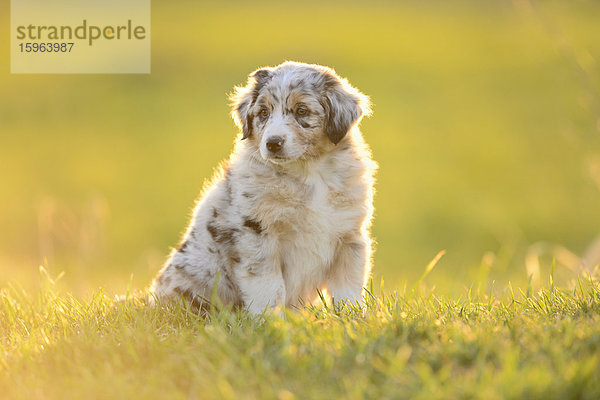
(486,128)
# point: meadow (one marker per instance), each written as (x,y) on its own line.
(486,127)
(407,345)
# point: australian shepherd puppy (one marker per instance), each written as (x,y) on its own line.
(290,212)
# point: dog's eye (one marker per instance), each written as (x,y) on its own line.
(263,113)
(301,110)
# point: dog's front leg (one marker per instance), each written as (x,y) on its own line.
(261,287)
(350,270)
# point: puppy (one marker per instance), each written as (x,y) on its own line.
(290,212)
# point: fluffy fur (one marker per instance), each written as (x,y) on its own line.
(290,212)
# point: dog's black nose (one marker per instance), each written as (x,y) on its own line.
(275,144)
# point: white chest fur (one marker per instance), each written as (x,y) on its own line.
(304,227)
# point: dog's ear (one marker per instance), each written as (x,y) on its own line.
(344,106)
(243,99)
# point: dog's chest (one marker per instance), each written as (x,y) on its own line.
(295,209)
(298,216)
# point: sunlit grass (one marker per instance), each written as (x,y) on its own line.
(413,344)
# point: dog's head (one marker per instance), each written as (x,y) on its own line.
(295,111)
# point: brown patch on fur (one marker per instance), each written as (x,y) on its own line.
(221,235)
(294,97)
(254,225)
(164,279)
(198,304)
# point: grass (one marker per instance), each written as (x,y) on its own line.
(414,344)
